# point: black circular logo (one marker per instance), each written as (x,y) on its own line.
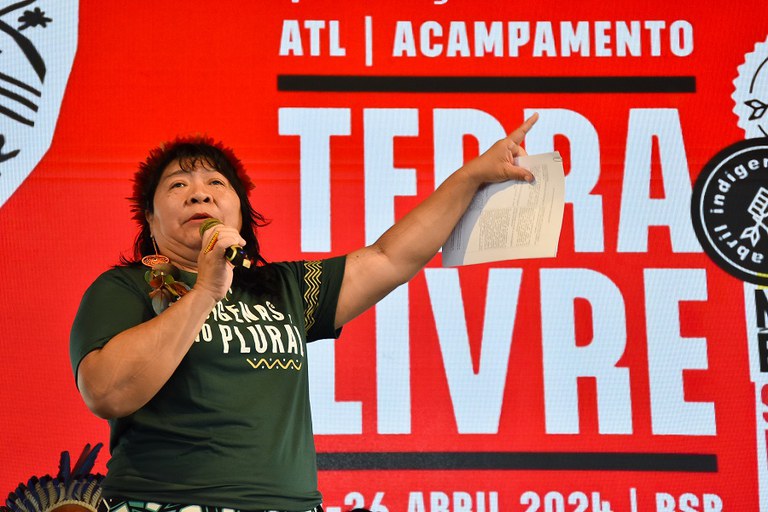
(729,210)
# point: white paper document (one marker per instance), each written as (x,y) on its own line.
(512,220)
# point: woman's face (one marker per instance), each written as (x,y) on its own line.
(183,200)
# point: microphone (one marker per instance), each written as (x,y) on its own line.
(234,253)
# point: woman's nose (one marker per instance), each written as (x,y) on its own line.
(199,196)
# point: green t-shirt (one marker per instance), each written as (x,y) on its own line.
(232,426)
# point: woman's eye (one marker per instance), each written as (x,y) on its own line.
(217,182)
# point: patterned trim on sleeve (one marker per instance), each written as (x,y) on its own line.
(312,274)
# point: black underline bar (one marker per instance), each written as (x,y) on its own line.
(487,84)
(547,461)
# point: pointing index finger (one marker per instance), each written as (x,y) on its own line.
(518,135)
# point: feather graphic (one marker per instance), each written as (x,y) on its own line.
(758,109)
(758,209)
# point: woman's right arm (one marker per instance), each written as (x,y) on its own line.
(123,375)
(119,378)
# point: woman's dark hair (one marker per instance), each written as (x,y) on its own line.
(190,151)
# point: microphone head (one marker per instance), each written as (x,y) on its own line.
(208,224)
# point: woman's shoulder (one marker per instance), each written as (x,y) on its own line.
(292,265)
(122,275)
(302,271)
(287,269)
(130,271)
(269,273)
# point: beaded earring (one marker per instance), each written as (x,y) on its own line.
(154,259)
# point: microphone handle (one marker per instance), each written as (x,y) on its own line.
(234,254)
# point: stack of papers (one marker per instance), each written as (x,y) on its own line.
(514,219)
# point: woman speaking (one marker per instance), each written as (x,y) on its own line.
(197,357)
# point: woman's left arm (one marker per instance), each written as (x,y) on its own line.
(405,248)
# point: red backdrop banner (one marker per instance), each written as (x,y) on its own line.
(624,374)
